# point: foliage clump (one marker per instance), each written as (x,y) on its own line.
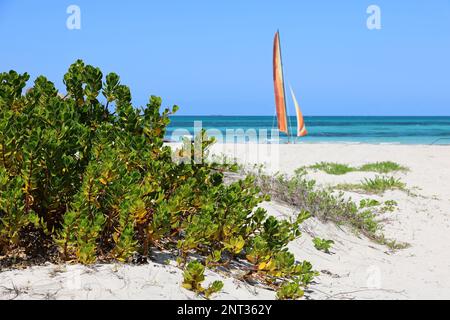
(89,176)
(332,167)
(383,167)
(193,277)
(324,204)
(376,185)
(290,290)
(322,244)
(341,168)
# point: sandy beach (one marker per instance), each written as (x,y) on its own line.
(357,267)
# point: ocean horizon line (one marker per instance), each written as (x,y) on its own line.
(306,116)
(368,129)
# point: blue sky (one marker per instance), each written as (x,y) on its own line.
(214,57)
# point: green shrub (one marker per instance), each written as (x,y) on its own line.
(340,168)
(290,290)
(380,184)
(301,192)
(389,206)
(324,204)
(214,287)
(194,276)
(377,185)
(382,167)
(332,168)
(90,176)
(368,203)
(322,244)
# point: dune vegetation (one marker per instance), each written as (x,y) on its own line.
(341,168)
(86,178)
(325,204)
(377,185)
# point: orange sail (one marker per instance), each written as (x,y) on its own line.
(278,81)
(301,129)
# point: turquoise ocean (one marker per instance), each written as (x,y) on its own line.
(322,129)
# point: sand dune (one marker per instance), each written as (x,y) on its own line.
(357,268)
(360,268)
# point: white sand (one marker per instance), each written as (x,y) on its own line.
(357,267)
(361,268)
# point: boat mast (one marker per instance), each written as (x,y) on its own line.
(284,91)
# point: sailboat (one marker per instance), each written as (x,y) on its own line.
(280,95)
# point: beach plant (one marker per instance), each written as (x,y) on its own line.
(332,168)
(214,287)
(301,192)
(86,177)
(382,167)
(389,206)
(380,184)
(193,276)
(290,290)
(325,204)
(368,203)
(376,185)
(322,244)
(340,168)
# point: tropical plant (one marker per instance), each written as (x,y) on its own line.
(324,204)
(322,244)
(86,177)
(332,168)
(194,275)
(389,206)
(341,168)
(382,167)
(290,290)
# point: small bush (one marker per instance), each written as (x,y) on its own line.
(382,167)
(332,168)
(87,177)
(368,203)
(339,168)
(380,184)
(214,287)
(302,193)
(377,185)
(194,276)
(389,206)
(322,244)
(290,290)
